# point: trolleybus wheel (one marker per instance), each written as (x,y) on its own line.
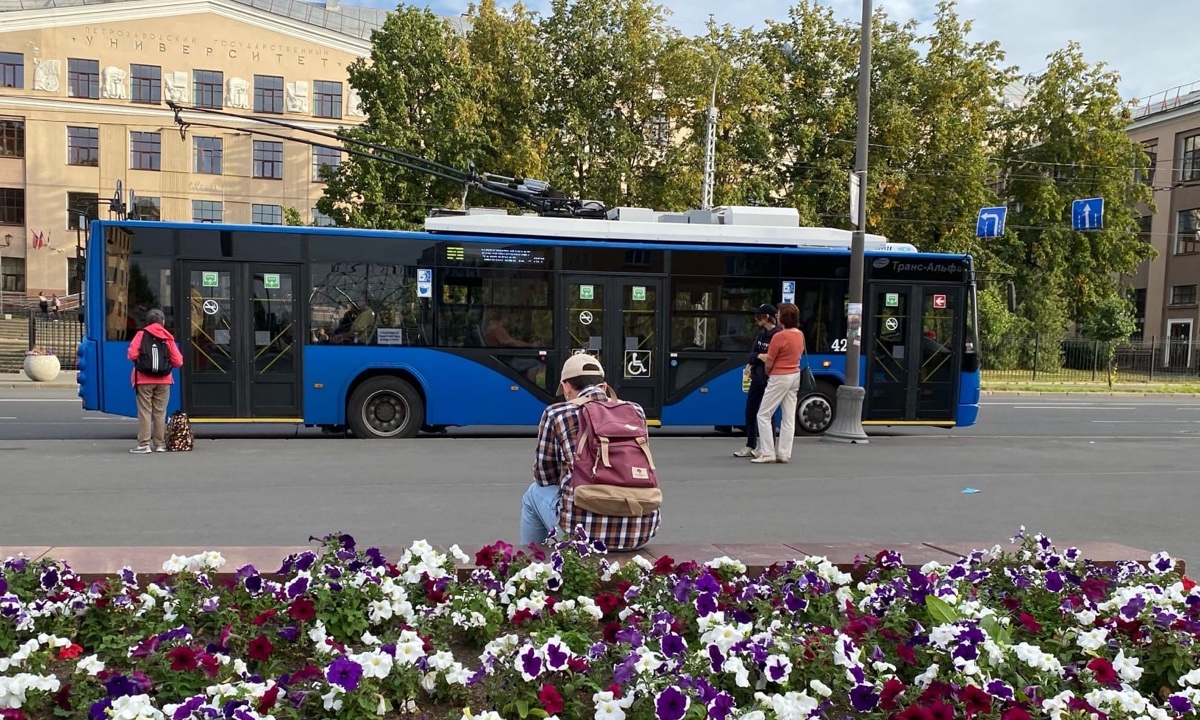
(814,413)
(385,407)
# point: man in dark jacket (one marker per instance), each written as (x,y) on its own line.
(765,316)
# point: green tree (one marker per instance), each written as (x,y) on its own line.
(416,92)
(1110,320)
(1069,141)
(603,99)
(291,216)
(933,200)
(505,55)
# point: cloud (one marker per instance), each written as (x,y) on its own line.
(1146,42)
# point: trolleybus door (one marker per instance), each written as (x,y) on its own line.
(621,321)
(913,347)
(240,340)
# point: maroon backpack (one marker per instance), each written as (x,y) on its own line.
(613,473)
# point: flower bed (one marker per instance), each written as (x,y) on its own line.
(345,633)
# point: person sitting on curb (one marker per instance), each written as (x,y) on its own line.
(548,506)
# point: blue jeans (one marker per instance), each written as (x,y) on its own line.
(539,514)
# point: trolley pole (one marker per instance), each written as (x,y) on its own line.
(847,423)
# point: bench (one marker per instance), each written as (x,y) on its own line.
(91,563)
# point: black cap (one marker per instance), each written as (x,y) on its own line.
(766,309)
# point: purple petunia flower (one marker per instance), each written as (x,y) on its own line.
(129,577)
(626,671)
(706,583)
(706,604)
(672,645)
(291,633)
(864,698)
(1054,582)
(1180,704)
(99,709)
(720,707)
(185,711)
(49,578)
(1000,689)
(682,589)
(556,657)
(716,658)
(630,636)
(344,673)
(297,587)
(3,586)
(118,686)
(671,704)
(531,662)
(305,561)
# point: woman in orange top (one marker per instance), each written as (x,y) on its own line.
(783,387)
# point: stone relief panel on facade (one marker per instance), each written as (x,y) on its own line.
(295,97)
(45,75)
(114,83)
(354,106)
(175,86)
(237,94)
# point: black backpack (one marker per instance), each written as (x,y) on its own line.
(154,357)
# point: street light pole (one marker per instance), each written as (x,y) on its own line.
(847,423)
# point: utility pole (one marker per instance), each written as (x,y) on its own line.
(847,423)
(710,148)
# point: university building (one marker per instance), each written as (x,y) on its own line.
(83,92)
(1165,289)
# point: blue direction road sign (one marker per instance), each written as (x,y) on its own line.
(990,223)
(1087,214)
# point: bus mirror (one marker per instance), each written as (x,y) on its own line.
(1012,296)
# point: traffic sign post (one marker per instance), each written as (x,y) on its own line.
(1087,214)
(990,222)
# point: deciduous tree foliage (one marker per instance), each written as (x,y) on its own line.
(607,101)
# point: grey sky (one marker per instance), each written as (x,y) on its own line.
(1133,38)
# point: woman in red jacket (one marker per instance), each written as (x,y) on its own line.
(152,380)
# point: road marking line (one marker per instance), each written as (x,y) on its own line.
(1071,407)
(7,418)
(1151,422)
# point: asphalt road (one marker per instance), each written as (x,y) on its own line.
(1100,469)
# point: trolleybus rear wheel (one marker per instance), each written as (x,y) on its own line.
(814,413)
(385,407)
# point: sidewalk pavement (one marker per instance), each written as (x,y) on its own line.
(9,381)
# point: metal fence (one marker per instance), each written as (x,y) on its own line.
(1041,359)
(62,335)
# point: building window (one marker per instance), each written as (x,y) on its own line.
(145,151)
(1187,223)
(12,206)
(1144,224)
(83,78)
(320,219)
(268,160)
(1139,313)
(12,138)
(266,214)
(1190,154)
(268,94)
(208,155)
(1147,176)
(12,70)
(145,84)
(82,208)
(147,208)
(209,86)
(328,97)
(83,146)
(1183,294)
(206,211)
(12,274)
(323,156)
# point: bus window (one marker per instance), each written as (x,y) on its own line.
(495,308)
(365,304)
(134,284)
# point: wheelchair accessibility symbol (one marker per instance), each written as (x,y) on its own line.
(637,363)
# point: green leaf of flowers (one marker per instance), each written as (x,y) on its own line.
(940,610)
(523,708)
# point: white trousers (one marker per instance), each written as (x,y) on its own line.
(781,390)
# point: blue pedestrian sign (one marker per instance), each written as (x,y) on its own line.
(1087,214)
(990,223)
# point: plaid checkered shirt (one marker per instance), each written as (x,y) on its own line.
(558,434)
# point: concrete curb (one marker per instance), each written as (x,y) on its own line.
(36,385)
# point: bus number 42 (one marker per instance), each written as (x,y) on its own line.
(838,345)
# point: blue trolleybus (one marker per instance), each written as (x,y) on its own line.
(388,333)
